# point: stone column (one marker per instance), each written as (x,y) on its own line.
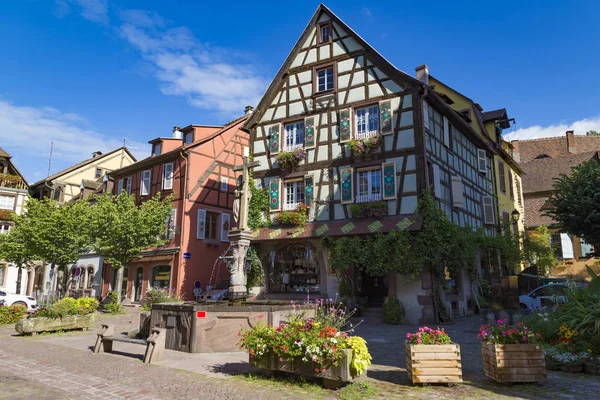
(30,281)
(46,279)
(240,241)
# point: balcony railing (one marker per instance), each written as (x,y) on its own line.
(366,134)
(290,206)
(292,147)
(367,198)
(12,181)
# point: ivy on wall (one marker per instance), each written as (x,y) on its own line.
(258,209)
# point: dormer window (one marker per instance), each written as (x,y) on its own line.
(156,149)
(325,79)
(188,138)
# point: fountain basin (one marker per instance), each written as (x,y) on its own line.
(214,327)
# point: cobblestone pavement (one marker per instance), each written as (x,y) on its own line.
(32,368)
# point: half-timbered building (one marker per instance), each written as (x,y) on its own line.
(359,131)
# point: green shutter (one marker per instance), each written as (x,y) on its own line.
(385,117)
(389,180)
(274,139)
(308,189)
(347,185)
(309,132)
(274,194)
(345,126)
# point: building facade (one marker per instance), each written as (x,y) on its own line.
(196,166)
(13,196)
(333,93)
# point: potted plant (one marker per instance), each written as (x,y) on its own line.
(365,146)
(510,353)
(67,313)
(297,217)
(288,160)
(321,346)
(432,357)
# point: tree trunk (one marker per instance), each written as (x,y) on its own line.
(119,283)
(19,277)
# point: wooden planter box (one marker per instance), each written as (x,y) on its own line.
(334,376)
(433,363)
(31,326)
(512,363)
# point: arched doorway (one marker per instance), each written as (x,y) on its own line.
(161,277)
(294,269)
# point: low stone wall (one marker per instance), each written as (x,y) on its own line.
(213,328)
(35,325)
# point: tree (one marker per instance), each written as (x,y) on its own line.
(538,251)
(592,133)
(119,229)
(13,250)
(49,232)
(575,203)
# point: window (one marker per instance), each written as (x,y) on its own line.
(128,186)
(156,150)
(145,186)
(324,33)
(369,185)
(293,194)
(188,138)
(4,228)
(502,176)
(488,210)
(168,176)
(294,136)
(511,190)
(211,227)
(161,277)
(90,281)
(119,186)
(7,202)
(367,122)
(325,79)
(224,184)
(170,224)
(481,161)
(98,173)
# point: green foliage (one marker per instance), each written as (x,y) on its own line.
(361,359)
(119,230)
(592,133)
(372,209)
(13,249)
(582,311)
(504,247)
(156,296)
(426,335)
(537,250)
(11,181)
(12,314)
(258,209)
(68,306)
(502,333)
(393,311)
(256,274)
(290,159)
(365,146)
(297,217)
(114,305)
(574,203)
(358,391)
(545,323)
(7,215)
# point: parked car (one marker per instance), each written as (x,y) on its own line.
(216,293)
(10,298)
(545,296)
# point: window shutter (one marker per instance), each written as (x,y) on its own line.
(511,190)
(458,195)
(274,136)
(274,197)
(225,227)
(389,180)
(308,189)
(481,161)
(426,114)
(437,183)
(345,125)
(309,132)
(501,176)
(119,187)
(488,210)
(200,228)
(385,117)
(347,183)
(446,132)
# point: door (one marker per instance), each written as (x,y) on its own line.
(139,281)
(374,288)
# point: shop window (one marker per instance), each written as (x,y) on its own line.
(161,277)
(295,270)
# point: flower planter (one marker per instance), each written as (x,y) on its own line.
(570,367)
(433,363)
(512,363)
(333,376)
(591,367)
(32,326)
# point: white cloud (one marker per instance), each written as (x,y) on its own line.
(92,10)
(537,131)
(26,133)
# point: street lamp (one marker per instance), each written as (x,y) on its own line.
(515,215)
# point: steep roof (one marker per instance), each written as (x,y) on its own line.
(4,153)
(534,212)
(555,146)
(539,173)
(82,164)
(494,115)
(277,82)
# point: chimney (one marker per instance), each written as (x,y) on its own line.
(96,154)
(516,155)
(571,142)
(248,110)
(423,73)
(177,133)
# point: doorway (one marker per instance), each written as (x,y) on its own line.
(139,281)
(374,288)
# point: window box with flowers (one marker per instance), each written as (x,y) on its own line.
(510,353)
(7,215)
(373,209)
(11,181)
(431,357)
(315,346)
(297,217)
(365,146)
(288,160)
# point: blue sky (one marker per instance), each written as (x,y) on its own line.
(88,73)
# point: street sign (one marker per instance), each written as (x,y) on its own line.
(77,271)
(197,284)
(200,314)
(187,256)
(197,292)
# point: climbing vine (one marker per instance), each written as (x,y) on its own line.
(255,276)
(258,209)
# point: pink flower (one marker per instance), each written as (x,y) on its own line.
(419,341)
(280,358)
(409,335)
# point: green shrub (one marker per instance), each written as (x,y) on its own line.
(87,305)
(12,314)
(156,296)
(393,311)
(545,323)
(68,306)
(113,306)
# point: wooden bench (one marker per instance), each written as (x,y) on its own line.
(155,344)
